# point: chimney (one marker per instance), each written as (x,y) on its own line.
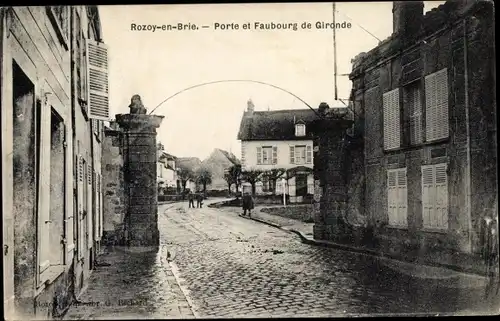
(407,18)
(250,106)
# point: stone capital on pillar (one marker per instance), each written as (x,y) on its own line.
(139,122)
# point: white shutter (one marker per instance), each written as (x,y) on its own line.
(391,119)
(441,205)
(275,155)
(436,100)
(292,154)
(98,83)
(259,155)
(402,198)
(392,197)
(428,192)
(309,154)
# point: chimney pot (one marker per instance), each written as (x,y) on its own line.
(407,18)
(250,106)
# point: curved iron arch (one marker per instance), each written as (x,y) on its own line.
(235,80)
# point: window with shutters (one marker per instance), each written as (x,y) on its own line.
(267,155)
(435,196)
(300,154)
(300,130)
(392,120)
(436,105)
(413,106)
(98,83)
(397,197)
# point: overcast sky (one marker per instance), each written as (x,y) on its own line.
(158,64)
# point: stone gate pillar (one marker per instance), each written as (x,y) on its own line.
(140,159)
(330,173)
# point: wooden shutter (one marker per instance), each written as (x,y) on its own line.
(259,155)
(415,108)
(292,154)
(441,199)
(428,193)
(81,218)
(435,196)
(392,123)
(275,155)
(98,83)
(392,197)
(436,101)
(309,154)
(90,211)
(402,198)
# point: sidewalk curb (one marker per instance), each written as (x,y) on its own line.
(370,252)
(264,222)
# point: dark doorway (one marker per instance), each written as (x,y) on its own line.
(26,125)
(301,185)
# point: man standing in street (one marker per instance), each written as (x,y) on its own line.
(199,200)
(191,199)
(247,204)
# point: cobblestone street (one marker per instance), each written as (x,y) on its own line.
(214,263)
(232,266)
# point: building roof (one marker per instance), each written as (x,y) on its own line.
(233,159)
(192,163)
(275,125)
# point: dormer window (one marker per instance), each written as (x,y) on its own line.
(300,129)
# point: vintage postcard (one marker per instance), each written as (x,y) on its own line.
(249,160)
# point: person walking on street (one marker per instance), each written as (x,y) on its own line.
(191,199)
(199,200)
(247,204)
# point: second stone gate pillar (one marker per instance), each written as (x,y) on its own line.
(330,173)
(140,159)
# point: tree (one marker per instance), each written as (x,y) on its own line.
(252,176)
(233,176)
(184,175)
(273,175)
(204,177)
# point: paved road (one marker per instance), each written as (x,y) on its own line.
(232,267)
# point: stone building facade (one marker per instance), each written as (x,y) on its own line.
(51,114)
(425,108)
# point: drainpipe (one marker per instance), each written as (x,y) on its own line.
(468,193)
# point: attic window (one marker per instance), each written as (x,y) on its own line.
(300,130)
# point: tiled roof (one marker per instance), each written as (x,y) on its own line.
(275,125)
(230,156)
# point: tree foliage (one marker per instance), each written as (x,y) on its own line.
(233,176)
(273,175)
(252,176)
(185,174)
(203,177)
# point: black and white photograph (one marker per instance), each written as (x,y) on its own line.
(249,160)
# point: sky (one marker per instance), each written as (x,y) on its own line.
(158,64)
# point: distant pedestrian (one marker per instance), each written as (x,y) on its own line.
(199,200)
(191,199)
(247,204)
